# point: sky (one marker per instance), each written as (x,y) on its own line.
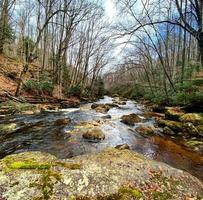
(110,9)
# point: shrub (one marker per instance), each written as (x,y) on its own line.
(43,85)
(75,91)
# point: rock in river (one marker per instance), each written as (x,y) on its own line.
(103,108)
(130,119)
(62,122)
(94,134)
(110,175)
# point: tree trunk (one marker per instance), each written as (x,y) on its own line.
(200,43)
(3,24)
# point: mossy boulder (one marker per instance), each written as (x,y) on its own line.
(174,113)
(7,128)
(193,118)
(94,134)
(111,174)
(173,125)
(130,119)
(62,122)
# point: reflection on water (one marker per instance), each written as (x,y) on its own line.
(55,140)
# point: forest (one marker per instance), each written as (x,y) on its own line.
(101,99)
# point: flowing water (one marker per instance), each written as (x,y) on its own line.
(45,136)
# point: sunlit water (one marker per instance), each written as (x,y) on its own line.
(55,140)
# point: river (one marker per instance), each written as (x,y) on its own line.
(47,137)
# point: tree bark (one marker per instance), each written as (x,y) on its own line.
(200,44)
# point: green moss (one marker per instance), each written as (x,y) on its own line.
(161,195)
(29,165)
(134,193)
(15,163)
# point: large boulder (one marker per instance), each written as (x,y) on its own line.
(94,134)
(110,175)
(193,118)
(130,119)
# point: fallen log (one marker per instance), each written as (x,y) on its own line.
(13,98)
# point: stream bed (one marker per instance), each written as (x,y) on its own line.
(47,137)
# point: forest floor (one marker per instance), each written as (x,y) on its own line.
(10,70)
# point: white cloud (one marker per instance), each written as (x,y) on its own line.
(110,9)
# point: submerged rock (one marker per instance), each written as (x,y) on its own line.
(112,174)
(62,122)
(130,119)
(106,117)
(94,134)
